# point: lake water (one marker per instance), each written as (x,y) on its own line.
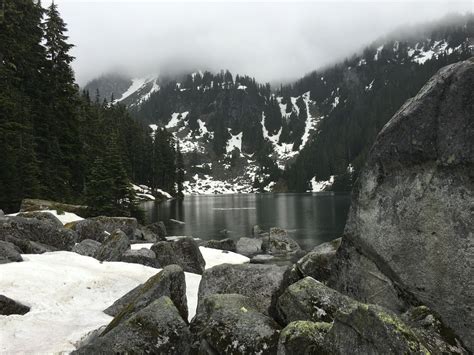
(310,218)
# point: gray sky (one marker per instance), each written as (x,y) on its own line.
(269,40)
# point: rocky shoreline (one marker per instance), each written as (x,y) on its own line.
(398,281)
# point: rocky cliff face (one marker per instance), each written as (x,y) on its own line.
(409,236)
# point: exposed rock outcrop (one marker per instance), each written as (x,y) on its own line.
(169,282)
(411,214)
(262,283)
(155,329)
(231,324)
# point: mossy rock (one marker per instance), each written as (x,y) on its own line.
(303,337)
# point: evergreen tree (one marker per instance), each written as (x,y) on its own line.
(179,172)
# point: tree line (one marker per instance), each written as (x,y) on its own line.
(59,143)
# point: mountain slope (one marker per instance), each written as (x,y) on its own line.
(240,136)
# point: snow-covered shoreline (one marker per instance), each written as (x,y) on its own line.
(68,292)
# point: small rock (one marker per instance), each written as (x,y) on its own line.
(256,230)
(142,256)
(168,282)
(156,329)
(224,244)
(311,300)
(9,253)
(302,337)
(9,307)
(113,247)
(249,246)
(87,247)
(231,324)
(278,242)
(183,252)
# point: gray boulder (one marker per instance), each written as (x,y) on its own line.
(9,253)
(142,256)
(223,244)
(29,247)
(278,242)
(231,324)
(262,283)
(42,216)
(431,330)
(169,282)
(302,337)
(113,247)
(9,307)
(155,329)
(98,228)
(35,230)
(154,232)
(87,247)
(183,252)
(262,259)
(317,263)
(411,213)
(249,246)
(311,300)
(31,205)
(369,329)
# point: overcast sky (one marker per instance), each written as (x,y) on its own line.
(272,41)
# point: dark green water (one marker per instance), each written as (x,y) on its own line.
(310,218)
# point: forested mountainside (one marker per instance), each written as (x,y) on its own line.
(57,143)
(238,135)
(357,97)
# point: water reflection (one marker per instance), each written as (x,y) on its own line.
(310,218)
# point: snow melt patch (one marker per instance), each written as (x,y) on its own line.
(137,83)
(68,292)
(235,142)
(176,118)
(318,186)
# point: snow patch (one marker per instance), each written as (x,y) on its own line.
(318,186)
(235,142)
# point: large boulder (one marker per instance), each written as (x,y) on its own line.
(9,307)
(113,247)
(98,228)
(369,329)
(141,256)
(249,246)
(231,324)
(35,230)
(87,247)
(183,252)
(169,282)
(262,283)
(29,205)
(411,212)
(155,232)
(155,329)
(317,263)
(9,253)
(302,337)
(311,300)
(29,247)
(42,216)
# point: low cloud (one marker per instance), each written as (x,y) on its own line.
(270,41)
